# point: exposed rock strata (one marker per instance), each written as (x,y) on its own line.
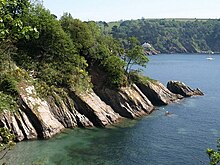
(39,114)
(157,93)
(64,111)
(90,105)
(129,102)
(178,87)
(43,118)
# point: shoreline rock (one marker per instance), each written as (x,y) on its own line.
(157,93)
(178,87)
(128,102)
(43,118)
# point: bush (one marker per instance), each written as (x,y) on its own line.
(135,76)
(214,156)
(8,103)
(114,67)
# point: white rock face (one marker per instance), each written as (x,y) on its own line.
(39,110)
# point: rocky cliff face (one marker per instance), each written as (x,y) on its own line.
(43,118)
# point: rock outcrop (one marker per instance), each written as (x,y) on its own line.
(43,118)
(129,102)
(64,111)
(178,87)
(39,114)
(19,125)
(90,105)
(40,118)
(157,93)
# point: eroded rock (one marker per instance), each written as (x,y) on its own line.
(38,112)
(178,87)
(157,93)
(129,102)
(97,111)
(65,112)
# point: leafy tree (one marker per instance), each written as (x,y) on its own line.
(214,156)
(79,32)
(12,27)
(11,13)
(99,50)
(52,56)
(134,54)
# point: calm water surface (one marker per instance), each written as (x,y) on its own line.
(181,138)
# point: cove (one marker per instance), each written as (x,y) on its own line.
(181,138)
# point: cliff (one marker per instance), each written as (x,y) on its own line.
(39,117)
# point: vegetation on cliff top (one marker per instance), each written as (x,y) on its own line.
(171,35)
(57,54)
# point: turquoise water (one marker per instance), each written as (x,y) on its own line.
(181,138)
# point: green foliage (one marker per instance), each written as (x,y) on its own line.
(171,36)
(79,32)
(9,91)
(52,56)
(7,49)
(97,48)
(7,138)
(8,85)
(214,156)
(134,54)
(135,76)
(12,26)
(8,103)
(113,65)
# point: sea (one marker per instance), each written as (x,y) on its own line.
(181,138)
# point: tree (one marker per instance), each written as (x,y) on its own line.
(214,156)
(12,26)
(79,32)
(134,54)
(53,55)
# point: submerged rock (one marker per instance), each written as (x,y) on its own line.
(178,87)
(157,93)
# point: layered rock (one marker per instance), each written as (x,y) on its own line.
(178,87)
(129,102)
(43,118)
(39,114)
(40,118)
(157,93)
(19,125)
(64,111)
(97,111)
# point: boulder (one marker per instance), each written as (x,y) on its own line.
(157,93)
(178,87)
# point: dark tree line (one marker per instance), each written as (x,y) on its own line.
(172,36)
